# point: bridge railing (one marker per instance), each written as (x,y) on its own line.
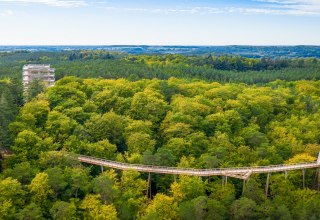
(242,169)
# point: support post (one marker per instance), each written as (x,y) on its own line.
(267,184)
(318,179)
(175,178)
(243,186)
(304,178)
(101,169)
(121,179)
(149,185)
(224,180)
(285,174)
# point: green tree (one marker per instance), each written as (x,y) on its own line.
(279,211)
(164,157)
(79,181)
(162,207)
(106,186)
(56,180)
(40,187)
(93,209)
(108,126)
(178,146)
(216,210)
(12,192)
(191,186)
(8,111)
(6,209)
(23,172)
(59,126)
(34,88)
(202,208)
(136,126)
(244,209)
(28,145)
(225,194)
(66,95)
(139,143)
(39,109)
(148,105)
(132,194)
(194,209)
(62,159)
(63,211)
(102,149)
(253,191)
(30,212)
(11,197)
(304,204)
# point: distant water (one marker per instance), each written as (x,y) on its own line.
(247,51)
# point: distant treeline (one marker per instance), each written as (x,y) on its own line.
(100,63)
(237,63)
(235,50)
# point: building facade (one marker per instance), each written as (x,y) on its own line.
(41,72)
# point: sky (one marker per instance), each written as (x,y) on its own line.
(155,22)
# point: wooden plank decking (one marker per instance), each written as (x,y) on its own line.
(237,172)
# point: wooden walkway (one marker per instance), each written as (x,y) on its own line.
(237,172)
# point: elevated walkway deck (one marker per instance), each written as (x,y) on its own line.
(236,172)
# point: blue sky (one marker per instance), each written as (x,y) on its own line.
(166,22)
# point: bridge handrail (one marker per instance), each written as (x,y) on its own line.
(199,170)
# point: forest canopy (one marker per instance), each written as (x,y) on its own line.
(173,122)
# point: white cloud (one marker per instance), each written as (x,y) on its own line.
(54,3)
(311,2)
(6,13)
(297,7)
(190,10)
(273,7)
(270,11)
(276,1)
(282,9)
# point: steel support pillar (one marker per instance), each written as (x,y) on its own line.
(267,184)
(101,169)
(149,185)
(243,185)
(318,179)
(224,180)
(304,178)
(286,174)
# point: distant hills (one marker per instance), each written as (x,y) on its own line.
(246,51)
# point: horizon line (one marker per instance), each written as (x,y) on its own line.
(158,45)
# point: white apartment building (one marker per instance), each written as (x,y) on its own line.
(41,72)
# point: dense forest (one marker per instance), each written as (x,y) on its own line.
(190,111)
(170,122)
(11,99)
(223,69)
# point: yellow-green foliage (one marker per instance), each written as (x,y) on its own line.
(171,122)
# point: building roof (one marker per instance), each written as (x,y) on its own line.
(37,66)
